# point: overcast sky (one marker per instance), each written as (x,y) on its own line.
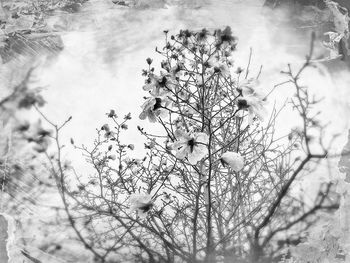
(106,47)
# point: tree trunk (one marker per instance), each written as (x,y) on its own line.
(256,253)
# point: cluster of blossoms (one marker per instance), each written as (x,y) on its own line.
(251,99)
(212,187)
(198,74)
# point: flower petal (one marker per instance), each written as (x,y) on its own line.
(234,160)
(199,151)
(202,138)
(183,152)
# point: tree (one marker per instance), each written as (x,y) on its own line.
(215,185)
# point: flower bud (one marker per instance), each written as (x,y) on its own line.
(234,160)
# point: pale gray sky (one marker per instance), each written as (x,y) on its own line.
(106,47)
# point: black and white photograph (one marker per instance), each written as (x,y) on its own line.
(174,131)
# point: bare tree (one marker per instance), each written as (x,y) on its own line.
(214,186)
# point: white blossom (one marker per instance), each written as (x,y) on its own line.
(154,107)
(234,160)
(219,66)
(160,85)
(254,103)
(191,145)
(248,87)
(141,203)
